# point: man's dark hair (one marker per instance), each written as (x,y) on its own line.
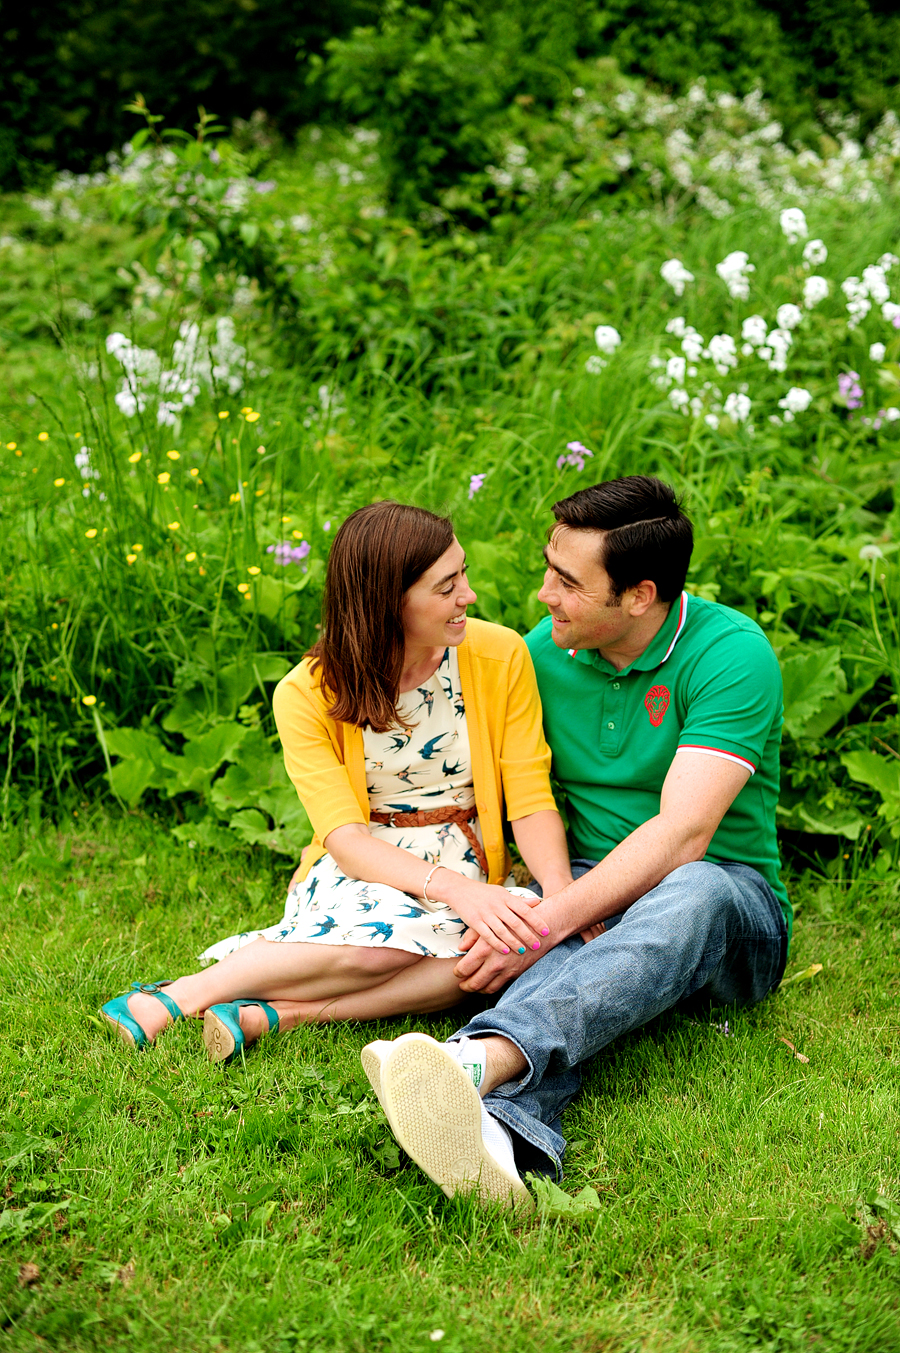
(647,533)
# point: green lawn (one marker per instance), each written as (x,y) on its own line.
(165,1202)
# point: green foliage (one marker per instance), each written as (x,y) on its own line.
(68,67)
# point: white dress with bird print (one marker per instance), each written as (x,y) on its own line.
(424,768)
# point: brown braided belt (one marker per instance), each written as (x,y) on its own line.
(434,817)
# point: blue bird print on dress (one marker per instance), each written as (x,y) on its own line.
(400,740)
(427,698)
(469,856)
(432,793)
(454,769)
(426,952)
(404,776)
(447,927)
(325,925)
(444,832)
(460,707)
(431,746)
(401,807)
(311,887)
(367,906)
(377,928)
(412,913)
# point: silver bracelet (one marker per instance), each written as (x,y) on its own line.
(431,871)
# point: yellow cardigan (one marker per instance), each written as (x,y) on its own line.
(510,759)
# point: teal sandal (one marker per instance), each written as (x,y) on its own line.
(222,1032)
(116,1012)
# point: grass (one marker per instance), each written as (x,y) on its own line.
(264,1207)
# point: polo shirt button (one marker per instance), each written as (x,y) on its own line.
(615,685)
(610,725)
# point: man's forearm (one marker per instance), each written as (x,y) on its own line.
(629,871)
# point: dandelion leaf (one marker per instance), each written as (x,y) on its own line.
(810,680)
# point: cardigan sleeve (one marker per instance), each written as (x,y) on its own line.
(312,759)
(524,754)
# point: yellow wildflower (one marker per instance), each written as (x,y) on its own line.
(243,587)
(137,548)
(135,457)
(252,417)
(287,519)
(253,570)
(130,558)
(163,478)
(173,525)
(91,533)
(195,472)
(58,483)
(189,558)
(202,571)
(298,535)
(235,498)
(248,408)
(174,455)
(260,450)
(224,413)
(89,699)
(260,492)
(11,446)
(43,436)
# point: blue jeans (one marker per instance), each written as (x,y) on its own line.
(709,934)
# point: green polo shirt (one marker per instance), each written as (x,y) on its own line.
(709,681)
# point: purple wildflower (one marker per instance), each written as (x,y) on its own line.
(475,483)
(577,455)
(850,388)
(286,553)
(326,525)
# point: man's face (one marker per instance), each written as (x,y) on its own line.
(586,612)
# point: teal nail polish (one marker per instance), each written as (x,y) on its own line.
(522,950)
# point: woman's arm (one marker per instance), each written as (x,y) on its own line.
(499,917)
(541,839)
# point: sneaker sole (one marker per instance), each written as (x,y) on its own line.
(217,1037)
(435,1112)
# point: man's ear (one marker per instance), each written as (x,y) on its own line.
(643,596)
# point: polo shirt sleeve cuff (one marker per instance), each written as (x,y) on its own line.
(729,751)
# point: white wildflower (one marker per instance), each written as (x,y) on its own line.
(678,398)
(858,303)
(871,552)
(891,312)
(814,254)
(888,261)
(676,274)
(722,353)
(737,407)
(815,289)
(734,271)
(892,414)
(712,420)
(692,344)
(788,316)
(876,352)
(675,368)
(779,341)
(676,326)
(876,283)
(594,365)
(793,223)
(797,400)
(607,338)
(753,331)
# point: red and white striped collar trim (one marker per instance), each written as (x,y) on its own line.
(682,617)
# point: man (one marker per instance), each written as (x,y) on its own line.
(663,713)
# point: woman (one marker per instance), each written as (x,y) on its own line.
(407,731)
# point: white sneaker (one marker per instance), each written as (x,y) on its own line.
(438,1118)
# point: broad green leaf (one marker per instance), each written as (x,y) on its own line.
(204,834)
(810,679)
(878,772)
(552,1201)
(145,763)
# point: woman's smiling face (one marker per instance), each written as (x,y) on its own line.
(434,608)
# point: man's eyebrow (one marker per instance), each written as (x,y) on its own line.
(569,577)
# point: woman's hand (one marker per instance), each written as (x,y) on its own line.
(501,918)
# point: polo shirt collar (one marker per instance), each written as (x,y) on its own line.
(657,651)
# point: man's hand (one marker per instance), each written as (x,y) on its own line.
(483,969)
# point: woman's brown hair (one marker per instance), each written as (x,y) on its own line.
(377,555)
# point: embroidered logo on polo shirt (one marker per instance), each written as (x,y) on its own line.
(657,702)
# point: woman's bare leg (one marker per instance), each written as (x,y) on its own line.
(418,989)
(274,972)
